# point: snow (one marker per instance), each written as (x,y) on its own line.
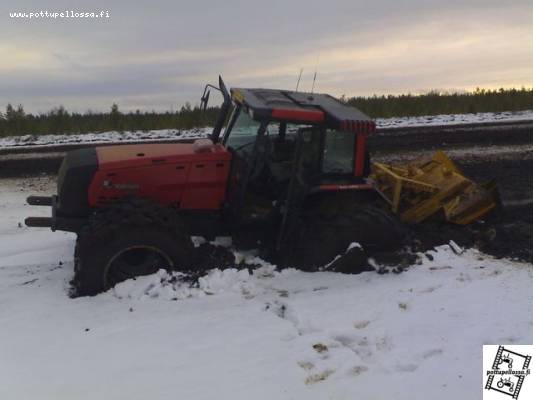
(454,119)
(103,137)
(238,334)
(175,134)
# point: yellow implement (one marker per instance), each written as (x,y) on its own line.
(428,186)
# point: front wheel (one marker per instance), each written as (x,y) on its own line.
(129,239)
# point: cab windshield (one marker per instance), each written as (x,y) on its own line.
(242,132)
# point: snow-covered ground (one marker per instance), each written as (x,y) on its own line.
(455,119)
(104,137)
(265,335)
(169,134)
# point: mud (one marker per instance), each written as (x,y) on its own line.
(506,233)
(209,256)
(29,165)
(449,137)
(353,261)
(514,177)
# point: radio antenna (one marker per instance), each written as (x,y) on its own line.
(314,76)
(299,77)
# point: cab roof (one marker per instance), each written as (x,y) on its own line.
(301,107)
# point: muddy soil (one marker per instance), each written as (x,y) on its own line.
(433,138)
(507,233)
(514,177)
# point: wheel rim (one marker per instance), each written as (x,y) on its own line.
(135,261)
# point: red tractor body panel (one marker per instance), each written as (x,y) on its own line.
(188,175)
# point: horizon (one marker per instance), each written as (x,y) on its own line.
(197,104)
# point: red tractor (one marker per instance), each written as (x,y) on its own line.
(282,171)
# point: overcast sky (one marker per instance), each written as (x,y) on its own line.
(159,54)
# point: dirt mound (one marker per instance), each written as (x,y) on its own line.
(507,234)
(510,236)
(209,256)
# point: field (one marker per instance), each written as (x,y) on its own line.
(262,333)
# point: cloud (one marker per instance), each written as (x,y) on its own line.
(153,55)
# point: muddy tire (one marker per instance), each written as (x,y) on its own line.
(131,238)
(328,230)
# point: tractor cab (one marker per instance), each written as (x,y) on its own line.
(340,155)
(267,122)
(286,146)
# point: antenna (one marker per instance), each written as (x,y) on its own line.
(314,77)
(299,77)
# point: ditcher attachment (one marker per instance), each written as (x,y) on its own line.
(427,186)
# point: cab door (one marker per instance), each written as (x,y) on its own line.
(305,175)
(244,140)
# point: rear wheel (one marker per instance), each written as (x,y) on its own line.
(328,228)
(128,239)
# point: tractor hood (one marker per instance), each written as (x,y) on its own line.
(138,155)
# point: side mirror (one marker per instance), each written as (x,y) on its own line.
(205,99)
(224,109)
(207,91)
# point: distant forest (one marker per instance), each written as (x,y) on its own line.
(15,121)
(434,103)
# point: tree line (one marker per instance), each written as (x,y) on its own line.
(15,121)
(434,103)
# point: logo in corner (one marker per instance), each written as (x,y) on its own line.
(508,372)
